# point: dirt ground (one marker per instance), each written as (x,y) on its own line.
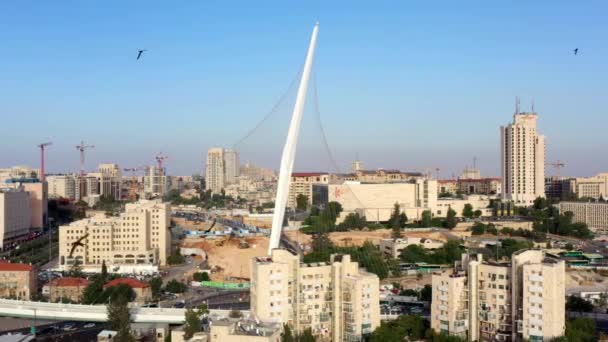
(234,261)
(192,225)
(357,238)
(584,278)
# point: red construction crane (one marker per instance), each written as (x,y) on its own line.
(160,158)
(558,166)
(82,147)
(42,146)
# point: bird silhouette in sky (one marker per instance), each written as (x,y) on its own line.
(78,243)
(139,53)
(576,51)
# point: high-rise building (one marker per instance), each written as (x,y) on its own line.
(302,183)
(357,166)
(523,160)
(138,237)
(336,300)
(501,301)
(215,175)
(155,182)
(222,168)
(231,166)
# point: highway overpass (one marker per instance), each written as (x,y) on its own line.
(93,313)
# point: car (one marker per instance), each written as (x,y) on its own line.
(89,325)
(69,327)
(179,305)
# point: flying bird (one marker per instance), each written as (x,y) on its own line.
(576,51)
(139,53)
(77,243)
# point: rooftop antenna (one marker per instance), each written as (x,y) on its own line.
(532,106)
(516,104)
(474,162)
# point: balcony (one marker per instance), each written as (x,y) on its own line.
(443,317)
(442,307)
(535,277)
(537,334)
(535,310)
(535,299)
(535,289)
(443,298)
(534,321)
(442,288)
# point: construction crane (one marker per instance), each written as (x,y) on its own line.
(82,147)
(160,158)
(42,147)
(558,166)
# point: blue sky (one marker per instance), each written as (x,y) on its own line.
(405,84)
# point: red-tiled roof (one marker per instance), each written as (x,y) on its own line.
(134,283)
(445,181)
(8,266)
(70,282)
(307,174)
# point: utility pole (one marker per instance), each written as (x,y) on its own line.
(42,147)
(82,147)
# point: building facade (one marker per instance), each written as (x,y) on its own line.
(336,300)
(17,281)
(595,215)
(138,237)
(523,160)
(62,186)
(376,201)
(155,182)
(142,290)
(509,301)
(302,183)
(66,288)
(15,215)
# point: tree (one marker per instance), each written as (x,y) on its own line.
(478,228)
(156,284)
(569,246)
(104,270)
(578,304)
(119,317)
(352,221)
(287,335)
(301,202)
(192,324)
(406,327)
(467,211)
(174,286)
(176,258)
(76,270)
(426,294)
(426,220)
(306,336)
(477,213)
(450,220)
(201,276)
(581,330)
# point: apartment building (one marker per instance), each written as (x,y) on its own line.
(447,186)
(336,300)
(302,183)
(595,215)
(62,186)
(155,182)
(393,247)
(478,202)
(501,301)
(19,172)
(222,168)
(17,281)
(523,160)
(376,201)
(139,238)
(15,215)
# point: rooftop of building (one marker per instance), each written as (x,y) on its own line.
(70,282)
(248,327)
(308,174)
(133,283)
(8,266)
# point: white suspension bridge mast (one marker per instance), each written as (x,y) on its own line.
(289,150)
